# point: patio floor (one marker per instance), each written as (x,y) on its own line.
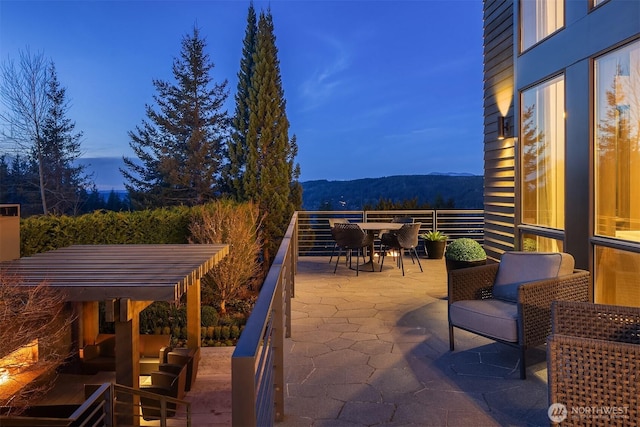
(374,350)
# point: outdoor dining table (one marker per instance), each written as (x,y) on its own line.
(376,228)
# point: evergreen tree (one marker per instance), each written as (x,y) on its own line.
(268,175)
(64,183)
(179,147)
(19,185)
(236,151)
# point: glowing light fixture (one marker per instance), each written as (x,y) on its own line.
(4,375)
(503,127)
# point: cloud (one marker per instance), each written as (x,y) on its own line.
(327,79)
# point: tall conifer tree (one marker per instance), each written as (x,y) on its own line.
(269,172)
(65,183)
(236,151)
(180,146)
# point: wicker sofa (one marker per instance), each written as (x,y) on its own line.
(510,301)
(593,361)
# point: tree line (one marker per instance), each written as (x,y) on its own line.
(188,150)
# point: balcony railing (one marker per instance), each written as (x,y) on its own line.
(315,234)
(257,371)
(257,364)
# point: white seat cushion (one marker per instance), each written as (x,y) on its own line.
(490,317)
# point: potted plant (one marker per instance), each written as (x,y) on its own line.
(434,244)
(465,252)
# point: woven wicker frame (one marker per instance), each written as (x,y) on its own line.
(593,361)
(534,301)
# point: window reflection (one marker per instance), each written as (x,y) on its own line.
(617,144)
(617,277)
(533,243)
(542,156)
(539,19)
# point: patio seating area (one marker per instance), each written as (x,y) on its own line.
(373,349)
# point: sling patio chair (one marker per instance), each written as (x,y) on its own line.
(406,238)
(332,222)
(350,237)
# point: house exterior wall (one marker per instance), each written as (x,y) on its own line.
(588,32)
(499,155)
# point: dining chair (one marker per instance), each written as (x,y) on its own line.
(406,238)
(332,222)
(351,237)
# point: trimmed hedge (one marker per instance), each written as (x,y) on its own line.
(45,233)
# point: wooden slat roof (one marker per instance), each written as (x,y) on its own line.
(99,272)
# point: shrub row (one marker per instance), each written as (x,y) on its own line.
(44,233)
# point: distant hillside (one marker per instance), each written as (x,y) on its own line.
(465,190)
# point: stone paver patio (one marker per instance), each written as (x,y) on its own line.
(374,350)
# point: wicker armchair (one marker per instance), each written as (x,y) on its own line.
(351,237)
(593,361)
(406,238)
(510,302)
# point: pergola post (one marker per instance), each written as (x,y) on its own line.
(90,322)
(193,315)
(127,323)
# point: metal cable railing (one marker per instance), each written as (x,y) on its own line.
(315,235)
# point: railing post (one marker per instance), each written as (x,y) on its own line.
(243,392)
(278,344)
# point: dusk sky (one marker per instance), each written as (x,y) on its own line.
(373,88)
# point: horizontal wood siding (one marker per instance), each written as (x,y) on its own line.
(499,155)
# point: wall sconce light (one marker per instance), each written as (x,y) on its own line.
(503,128)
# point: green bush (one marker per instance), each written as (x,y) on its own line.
(465,249)
(44,233)
(154,317)
(226,333)
(210,330)
(217,332)
(235,332)
(208,316)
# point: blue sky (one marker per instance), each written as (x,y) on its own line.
(373,88)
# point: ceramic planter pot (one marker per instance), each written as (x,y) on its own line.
(435,249)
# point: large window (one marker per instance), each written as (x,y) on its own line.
(542,155)
(617,144)
(617,277)
(539,19)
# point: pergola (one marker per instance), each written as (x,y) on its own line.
(127,278)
